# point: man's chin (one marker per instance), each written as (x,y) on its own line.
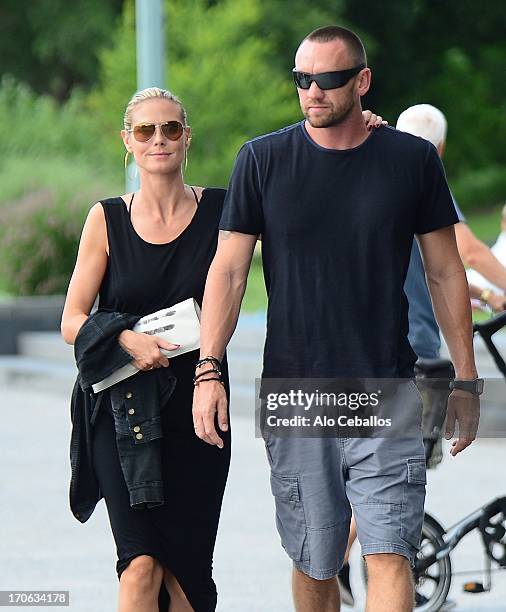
(319,122)
(322,121)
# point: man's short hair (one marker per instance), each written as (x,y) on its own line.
(349,38)
(424,120)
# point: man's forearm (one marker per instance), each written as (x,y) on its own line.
(220,310)
(450,298)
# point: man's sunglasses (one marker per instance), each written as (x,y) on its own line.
(325,80)
(172,130)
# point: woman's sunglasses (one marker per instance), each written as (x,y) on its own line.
(172,130)
(325,80)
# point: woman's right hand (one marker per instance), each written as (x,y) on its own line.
(145,349)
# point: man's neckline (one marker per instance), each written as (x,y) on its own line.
(363,144)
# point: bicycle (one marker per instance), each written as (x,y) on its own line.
(432,572)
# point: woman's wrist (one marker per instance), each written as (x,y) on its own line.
(124,336)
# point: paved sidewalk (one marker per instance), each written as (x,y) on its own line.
(44,547)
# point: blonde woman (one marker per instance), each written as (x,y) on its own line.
(142,252)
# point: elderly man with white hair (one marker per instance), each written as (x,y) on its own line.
(428,122)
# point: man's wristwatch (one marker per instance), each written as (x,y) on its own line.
(474,386)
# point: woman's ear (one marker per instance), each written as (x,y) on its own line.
(125,136)
(188,133)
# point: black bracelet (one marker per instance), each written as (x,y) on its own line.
(197,382)
(197,376)
(209,359)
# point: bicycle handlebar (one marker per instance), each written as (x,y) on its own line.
(490,326)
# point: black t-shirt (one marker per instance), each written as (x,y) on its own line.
(337,228)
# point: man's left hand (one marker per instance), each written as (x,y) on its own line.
(464,408)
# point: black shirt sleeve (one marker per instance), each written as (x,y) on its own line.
(435,207)
(242,209)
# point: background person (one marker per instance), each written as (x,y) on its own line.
(499,251)
(495,301)
(428,122)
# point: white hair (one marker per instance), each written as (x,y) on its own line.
(424,120)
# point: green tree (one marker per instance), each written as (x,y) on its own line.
(450,54)
(52,45)
(221,68)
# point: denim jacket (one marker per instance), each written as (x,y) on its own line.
(136,405)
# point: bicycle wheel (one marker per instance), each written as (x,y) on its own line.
(432,586)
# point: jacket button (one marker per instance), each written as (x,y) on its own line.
(128,395)
(137,428)
(138,436)
(131,411)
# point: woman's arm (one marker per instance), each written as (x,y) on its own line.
(88,273)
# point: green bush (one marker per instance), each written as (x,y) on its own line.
(481,188)
(41,225)
(20,176)
(32,125)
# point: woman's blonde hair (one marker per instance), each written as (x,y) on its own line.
(151,93)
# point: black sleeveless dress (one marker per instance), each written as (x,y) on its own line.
(141,278)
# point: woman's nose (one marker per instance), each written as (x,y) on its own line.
(159,136)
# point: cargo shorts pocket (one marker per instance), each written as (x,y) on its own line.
(413,500)
(290,519)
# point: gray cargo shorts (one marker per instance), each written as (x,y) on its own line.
(317,481)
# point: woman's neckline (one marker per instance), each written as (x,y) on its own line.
(161,244)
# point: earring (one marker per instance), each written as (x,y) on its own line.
(185,158)
(126,159)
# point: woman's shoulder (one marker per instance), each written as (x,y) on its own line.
(214,194)
(115,201)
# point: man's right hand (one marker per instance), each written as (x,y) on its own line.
(209,399)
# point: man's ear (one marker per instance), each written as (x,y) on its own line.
(364,81)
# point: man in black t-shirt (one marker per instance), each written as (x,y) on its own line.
(335,203)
